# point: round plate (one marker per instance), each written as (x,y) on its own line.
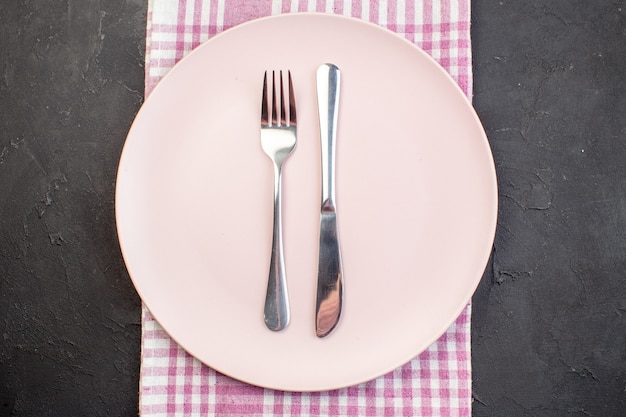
(416,199)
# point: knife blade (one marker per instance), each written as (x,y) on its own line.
(330,270)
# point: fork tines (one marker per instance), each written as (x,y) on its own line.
(270,118)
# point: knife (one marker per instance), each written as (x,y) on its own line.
(330,271)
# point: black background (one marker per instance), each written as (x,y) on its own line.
(549,318)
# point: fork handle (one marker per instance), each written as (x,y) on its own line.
(276,312)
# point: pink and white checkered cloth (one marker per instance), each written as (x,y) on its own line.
(435,383)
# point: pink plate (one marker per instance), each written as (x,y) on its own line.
(416,197)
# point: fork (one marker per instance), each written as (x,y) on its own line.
(278,139)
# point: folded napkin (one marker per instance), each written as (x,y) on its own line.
(435,383)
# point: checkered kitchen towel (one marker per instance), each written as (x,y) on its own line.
(435,383)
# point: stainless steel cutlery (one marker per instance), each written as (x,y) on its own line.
(330,271)
(278,139)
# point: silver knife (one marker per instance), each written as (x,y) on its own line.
(330,271)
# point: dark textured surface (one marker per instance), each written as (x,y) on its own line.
(549,321)
(71,80)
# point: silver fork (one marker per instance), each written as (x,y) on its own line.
(278,139)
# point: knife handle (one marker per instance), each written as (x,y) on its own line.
(328,83)
(330,271)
